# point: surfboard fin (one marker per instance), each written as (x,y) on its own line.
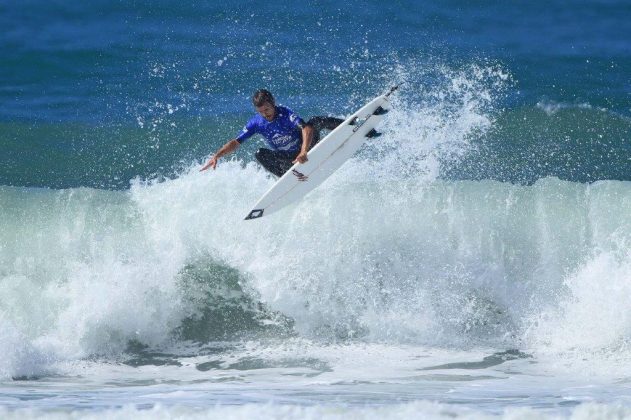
(255,214)
(380,111)
(372,134)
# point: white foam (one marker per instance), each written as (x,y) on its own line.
(591,318)
(420,409)
(553,107)
(462,263)
(20,358)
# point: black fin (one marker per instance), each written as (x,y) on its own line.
(380,111)
(255,214)
(372,134)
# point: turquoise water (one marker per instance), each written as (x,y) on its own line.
(473,261)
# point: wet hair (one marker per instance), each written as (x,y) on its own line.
(262,96)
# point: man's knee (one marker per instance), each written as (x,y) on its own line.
(262,155)
(315,123)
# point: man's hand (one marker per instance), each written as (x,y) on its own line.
(212,163)
(301,158)
(229,147)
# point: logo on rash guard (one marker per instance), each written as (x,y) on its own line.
(284,142)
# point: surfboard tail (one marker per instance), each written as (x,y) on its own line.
(255,214)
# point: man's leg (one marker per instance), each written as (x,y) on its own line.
(322,123)
(275,162)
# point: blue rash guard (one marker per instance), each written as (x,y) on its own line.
(284,133)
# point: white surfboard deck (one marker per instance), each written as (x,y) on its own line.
(324,158)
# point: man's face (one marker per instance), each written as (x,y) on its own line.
(267,111)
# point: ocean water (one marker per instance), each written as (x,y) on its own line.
(472,262)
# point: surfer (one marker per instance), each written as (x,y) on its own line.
(288,137)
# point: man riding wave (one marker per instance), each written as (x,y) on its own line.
(288,137)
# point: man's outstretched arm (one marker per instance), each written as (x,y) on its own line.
(227,148)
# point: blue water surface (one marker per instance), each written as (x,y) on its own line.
(157,84)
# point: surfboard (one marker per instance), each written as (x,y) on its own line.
(324,158)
